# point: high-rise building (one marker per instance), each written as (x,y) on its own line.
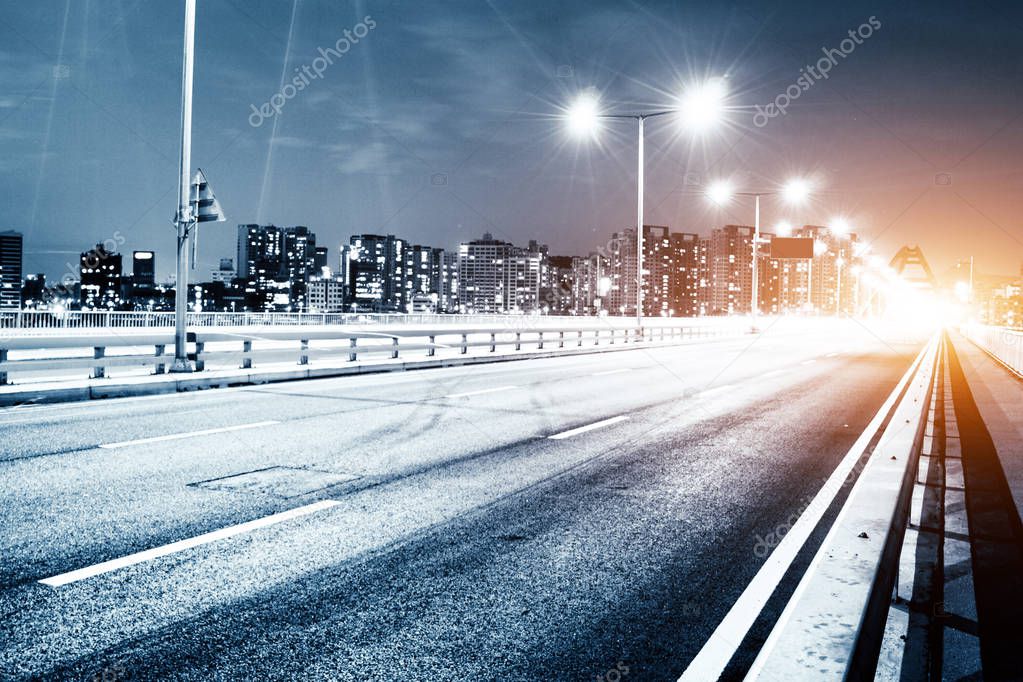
(320,260)
(620,298)
(557,295)
(589,284)
(658,261)
(688,274)
(498,277)
(100,274)
(11,260)
(373,270)
(731,269)
(298,263)
(449,282)
(424,275)
(143,268)
(325,294)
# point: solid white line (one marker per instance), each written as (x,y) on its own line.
(809,362)
(773,373)
(723,387)
(188,434)
(164,550)
(483,392)
(611,371)
(718,650)
(588,427)
(831,355)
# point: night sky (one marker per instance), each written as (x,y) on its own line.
(441,122)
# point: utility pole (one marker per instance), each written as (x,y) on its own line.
(184,213)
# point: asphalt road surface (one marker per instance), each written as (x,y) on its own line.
(589,517)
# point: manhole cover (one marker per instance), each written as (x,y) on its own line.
(277,481)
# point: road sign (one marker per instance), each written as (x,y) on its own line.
(792,247)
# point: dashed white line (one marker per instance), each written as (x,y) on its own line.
(588,427)
(164,550)
(809,362)
(187,434)
(831,355)
(611,371)
(482,392)
(773,373)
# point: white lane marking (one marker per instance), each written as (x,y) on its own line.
(772,373)
(716,389)
(187,434)
(809,362)
(611,371)
(718,650)
(588,427)
(831,355)
(482,392)
(180,545)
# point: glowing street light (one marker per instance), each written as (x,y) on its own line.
(583,116)
(840,226)
(794,191)
(697,109)
(703,106)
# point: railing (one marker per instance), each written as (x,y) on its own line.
(111,319)
(840,607)
(296,345)
(1001,342)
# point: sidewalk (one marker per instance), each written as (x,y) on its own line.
(999,398)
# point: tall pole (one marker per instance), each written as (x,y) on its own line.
(184,216)
(639,229)
(756,244)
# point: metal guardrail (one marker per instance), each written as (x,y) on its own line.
(112,319)
(832,627)
(353,344)
(1005,344)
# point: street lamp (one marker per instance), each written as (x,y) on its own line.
(697,110)
(795,191)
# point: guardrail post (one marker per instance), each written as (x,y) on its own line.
(98,370)
(580,343)
(596,337)
(465,344)
(613,330)
(3,375)
(518,340)
(432,350)
(247,355)
(200,364)
(352,354)
(394,347)
(160,367)
(561,339)
(493,342)
(539,345)
(303,357)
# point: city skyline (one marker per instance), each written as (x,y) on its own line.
(479,150)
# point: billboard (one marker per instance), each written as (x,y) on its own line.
(792,247)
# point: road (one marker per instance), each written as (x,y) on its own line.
(564,518)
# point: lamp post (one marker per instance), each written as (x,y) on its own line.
(697,109)
(794,191)
(183,219)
